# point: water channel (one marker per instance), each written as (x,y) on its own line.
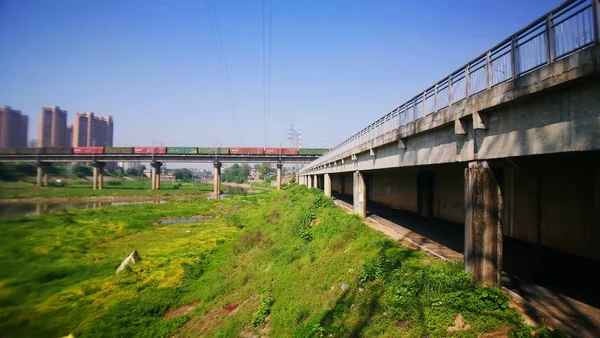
(15,210)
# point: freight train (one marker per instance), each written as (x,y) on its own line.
(164,150)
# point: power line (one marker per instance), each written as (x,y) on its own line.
(216,32)
(267,66)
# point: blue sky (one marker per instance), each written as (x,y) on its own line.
(336,65)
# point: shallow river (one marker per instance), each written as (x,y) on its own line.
(14,210)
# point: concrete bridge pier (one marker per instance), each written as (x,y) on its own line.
(309,181)
(98,175)
(155,175)
(216,180)
(279,166)
(483,228)
(359,194)
(40,174)
(316,182)
(327,185)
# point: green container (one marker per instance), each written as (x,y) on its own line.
(182,150)
(118,150)
(210,151)
(59,150)
(312,151)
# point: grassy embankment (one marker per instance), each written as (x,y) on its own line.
(282,264)
(78,188)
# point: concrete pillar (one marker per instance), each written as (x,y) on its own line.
(327,186)
(483,229)
(316,181)
(45,180)
(95,177)
(100,175)
(309,181)
(216,180)
(40,174)
(155,176)
(359,191)
(279,166)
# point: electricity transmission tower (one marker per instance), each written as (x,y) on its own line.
(295,137)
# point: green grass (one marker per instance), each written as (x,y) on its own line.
(270,263)
(79,188)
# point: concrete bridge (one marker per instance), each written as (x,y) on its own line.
(99,161)
(506,147)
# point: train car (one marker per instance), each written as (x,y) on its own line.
(88,150)
(182,150)
(29,151)
(8,151)
(312,151)
(246,151)
(149,150)
(212,151)
(118,150)
(281,151)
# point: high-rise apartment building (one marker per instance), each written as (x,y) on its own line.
(13,128)
(53,127)
(90,130)
(69,136)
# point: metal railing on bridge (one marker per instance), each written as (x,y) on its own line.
(568,28)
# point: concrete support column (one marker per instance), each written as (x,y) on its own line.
(309,183)
(155,176)
(359,191)
(327,185)
(98,175)
(216,180)
(316,181)
(94,177)
(483,228)
(40,174)
(279,166)
(45,179)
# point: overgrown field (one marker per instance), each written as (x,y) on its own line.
(80,188)
(277,264)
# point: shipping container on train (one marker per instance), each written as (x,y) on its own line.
(60,150)
(246,151)
(29,151)
(87,150)
(211,151)
(150,150)
(281,151)
(118,150)
(8,151)
(182,150)
(312,151)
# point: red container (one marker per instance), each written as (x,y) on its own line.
(289,151)
(247,151)
(88,150)
(150,150)
(281,151)
(272,151)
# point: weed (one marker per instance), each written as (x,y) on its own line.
(264,309)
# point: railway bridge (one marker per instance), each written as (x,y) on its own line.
(499,161)
(156,160)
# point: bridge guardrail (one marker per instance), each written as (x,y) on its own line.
(570,27)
